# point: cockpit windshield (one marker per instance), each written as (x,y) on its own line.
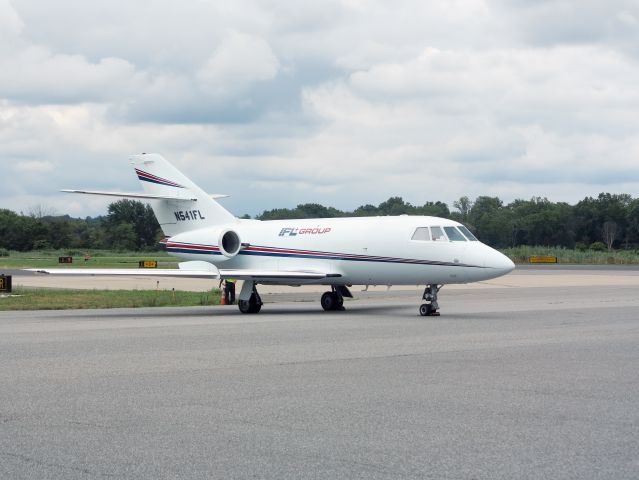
(454,235)
(438,234)
(468,234)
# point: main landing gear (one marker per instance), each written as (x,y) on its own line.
(429,309)
(254,302)
(334,300)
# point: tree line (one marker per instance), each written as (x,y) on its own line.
(606,222)
(610,221)
(129,225)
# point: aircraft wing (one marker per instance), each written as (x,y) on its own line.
(186,272)
(141,272)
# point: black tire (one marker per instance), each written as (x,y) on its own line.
(340,302)
(245,307)
(329,301)
(425,309)
(253,305)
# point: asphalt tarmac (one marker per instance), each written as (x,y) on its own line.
(508,383)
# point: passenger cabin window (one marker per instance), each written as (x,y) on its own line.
(467,234)
(454,235)
(438,234)
(421,234)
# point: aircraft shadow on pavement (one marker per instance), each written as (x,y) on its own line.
(287,310)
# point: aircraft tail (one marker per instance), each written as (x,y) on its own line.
(185,206)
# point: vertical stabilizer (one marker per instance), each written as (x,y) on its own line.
(196,210)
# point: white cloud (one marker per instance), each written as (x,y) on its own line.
(33,166)
(11,24)
(342,102)
(481,120)
(238,62)
(38,76)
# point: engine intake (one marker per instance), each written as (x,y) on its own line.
(229,243)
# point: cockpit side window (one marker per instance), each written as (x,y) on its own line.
(454,235)
(422,234)
(438,234)
(467,234)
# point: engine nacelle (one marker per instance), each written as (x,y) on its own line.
(229,243)
(209,244)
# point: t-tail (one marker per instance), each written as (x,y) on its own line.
(179,204)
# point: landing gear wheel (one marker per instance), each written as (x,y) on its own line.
(329,301)
(429,309)
(333,300)
(253,305)
(425,309)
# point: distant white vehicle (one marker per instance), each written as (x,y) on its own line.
(337,252)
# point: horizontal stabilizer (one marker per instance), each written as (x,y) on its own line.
(147,196)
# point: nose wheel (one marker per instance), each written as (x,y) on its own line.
(430,307)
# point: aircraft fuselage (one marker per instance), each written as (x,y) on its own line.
(362,250)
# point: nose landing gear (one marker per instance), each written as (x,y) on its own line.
(429,309)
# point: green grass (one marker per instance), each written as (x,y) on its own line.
(564,255)
(62,299)
(99,259)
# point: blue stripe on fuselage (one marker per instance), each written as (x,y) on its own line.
(405,261)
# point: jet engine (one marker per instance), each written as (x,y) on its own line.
(229,243)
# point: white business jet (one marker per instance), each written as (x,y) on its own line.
(337,252)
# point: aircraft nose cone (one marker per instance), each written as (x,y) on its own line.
(499,262)
(508,264)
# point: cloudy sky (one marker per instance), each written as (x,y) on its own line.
(340,102)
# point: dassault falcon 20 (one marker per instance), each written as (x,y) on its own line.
(337,252)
